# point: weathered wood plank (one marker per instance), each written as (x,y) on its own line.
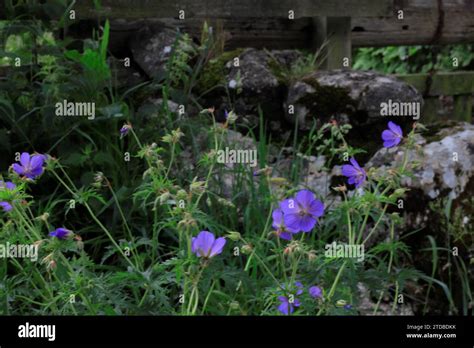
(332,38)
(422,19)
(443,83)
(418,27)
(234,8)
(339,42)
(437,109)
(272,33)
(463,108)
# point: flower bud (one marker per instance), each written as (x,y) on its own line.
(399,192)
(293,248)
(235,236)
(187,222)
(159,164)
(311,255)
(125,129)
(181,195)
(99,179)
(247,249)
(197,187)
(174,137)
(164,197)
(44,217)
(231,117)
(226,203)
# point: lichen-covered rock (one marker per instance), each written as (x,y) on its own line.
(152,47)
(345,95)
(445,166)
(254,83)
(254,74)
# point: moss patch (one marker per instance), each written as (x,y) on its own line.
(213,74)
(279,71)
(327,100)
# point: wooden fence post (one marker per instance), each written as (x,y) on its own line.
(340,42)
(319,40)
(333,34)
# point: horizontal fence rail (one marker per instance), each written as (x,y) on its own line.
(350,23)
(374,22)
(232,8)
(442,83)
(457,86)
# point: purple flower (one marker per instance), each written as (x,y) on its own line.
(125,130)
(392,136)
(7,185)
(6,206)
(315,292)
(206,245)
(286,307)
(30,166)
(289,301)
(230,117)
(60,233)
(298,287)
(354,172)
(301,213)
(279,225)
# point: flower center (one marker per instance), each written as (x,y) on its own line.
(28,168)
(303,212)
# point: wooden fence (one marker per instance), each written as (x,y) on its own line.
(343,24)
(447,95)
(347,23)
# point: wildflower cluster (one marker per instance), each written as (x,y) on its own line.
(178,214)
(291,298)
(29,168)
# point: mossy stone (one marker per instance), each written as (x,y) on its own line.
(213,74)
(327,100)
